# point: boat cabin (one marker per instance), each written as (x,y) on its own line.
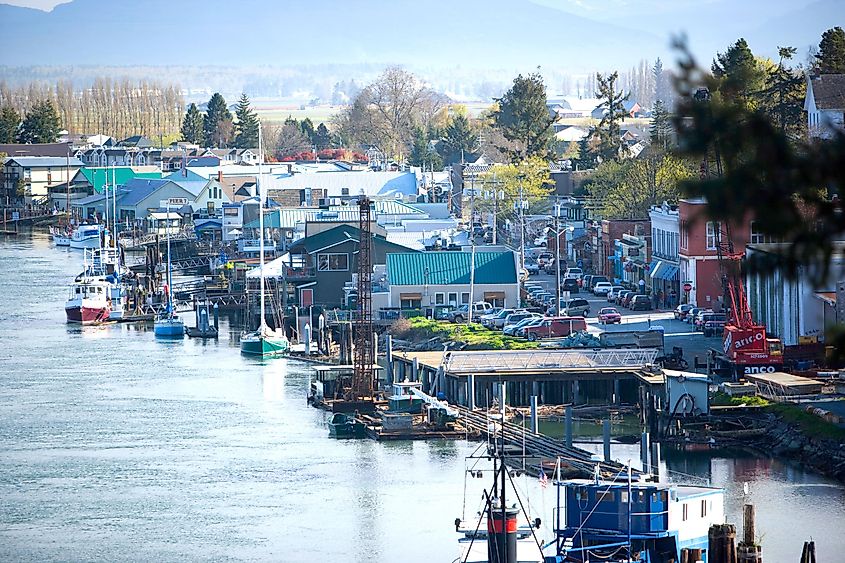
(657,520)
(403,398)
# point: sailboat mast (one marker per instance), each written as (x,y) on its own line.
(169,269)
(260,224)
(114,208)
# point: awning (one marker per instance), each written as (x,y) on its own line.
(494,295)
(410,296)
(828,297)
(664,271)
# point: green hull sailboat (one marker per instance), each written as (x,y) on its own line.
(264,343)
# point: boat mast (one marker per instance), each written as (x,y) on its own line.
(260,225)
(169,270)
(114,208)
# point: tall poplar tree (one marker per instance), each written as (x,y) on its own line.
(192,131)
(246,136)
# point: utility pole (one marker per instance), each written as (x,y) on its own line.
(521,241)
(557,255)
(472,255)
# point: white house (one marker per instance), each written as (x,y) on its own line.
(825,104)
(35,174)
(793,309)
(665,245)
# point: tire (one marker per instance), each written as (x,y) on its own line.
(707,333)
(683,364)
(586,313)
(459,319)
(532,336)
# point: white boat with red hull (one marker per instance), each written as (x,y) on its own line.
(89,302)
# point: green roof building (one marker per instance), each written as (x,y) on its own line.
(98,177)
(424,279)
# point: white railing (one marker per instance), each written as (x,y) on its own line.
(506,361)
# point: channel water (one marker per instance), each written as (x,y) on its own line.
(117,446)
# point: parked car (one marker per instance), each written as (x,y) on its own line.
(540,298)
(555,327)
(620,297)
(570,285)
(681,311)
(576,307)
(714,323)
(613,293)
(690,318)
(626,300)
(698,321)
(596,280)
(517,316)
(532,268)
(640,303)
(544,258)
(529,322)
(574,273)
(585,280)
(609,315)
(461,314)
(494,321)
(601,288)
(510,329)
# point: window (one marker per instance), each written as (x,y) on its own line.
(453,299)
(757,237)
(344,191)
(714,236)
(332,262)
(684,513)
(582,494)
(410,301)
(684,235)
(464,298)
(439,298)
(703,508)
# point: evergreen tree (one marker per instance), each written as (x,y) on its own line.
(586,156)
(662,88)
(610,135)
(322,137)
(783,98)
(738,73)
(660,132)
(41,124)
(192,131)
(831,57)
(307,128)
(246,132)
(217,123)
(10,120)
(459,142)
(523,117)
(422,154)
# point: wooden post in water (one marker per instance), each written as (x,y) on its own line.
(808,555)
(721,544)
(747,550)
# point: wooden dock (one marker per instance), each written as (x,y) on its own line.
(784,384)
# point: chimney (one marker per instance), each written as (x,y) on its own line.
(220,176)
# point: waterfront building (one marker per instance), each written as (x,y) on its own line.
(665,240)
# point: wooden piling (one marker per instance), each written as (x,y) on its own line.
(747,550)
(721,544)
(808,555)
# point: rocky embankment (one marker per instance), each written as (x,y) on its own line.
(822,454)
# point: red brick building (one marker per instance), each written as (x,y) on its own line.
(611,231)
(698,251)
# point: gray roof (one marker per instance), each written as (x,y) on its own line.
(373,184)
(829,91)
(45,161)
(40,149)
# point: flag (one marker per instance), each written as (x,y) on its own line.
(543,480)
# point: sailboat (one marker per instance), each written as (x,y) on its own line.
(169,324)
(264,342)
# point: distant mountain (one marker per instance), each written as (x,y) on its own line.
(469,33)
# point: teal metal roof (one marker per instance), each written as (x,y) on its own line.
(448,268)
(339,234)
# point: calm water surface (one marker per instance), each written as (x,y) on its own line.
(119,447)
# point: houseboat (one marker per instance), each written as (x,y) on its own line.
(86,236)
(641,521)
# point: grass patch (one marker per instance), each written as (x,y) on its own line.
(810,424)
(476,337)
(725,400)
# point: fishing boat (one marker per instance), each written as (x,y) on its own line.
(501,531)
(345,426)
(169,324)
(265,341)
(88,302)
(86,236)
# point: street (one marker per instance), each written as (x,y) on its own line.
(677,333)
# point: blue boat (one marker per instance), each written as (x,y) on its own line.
(168,324)
(641,521)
